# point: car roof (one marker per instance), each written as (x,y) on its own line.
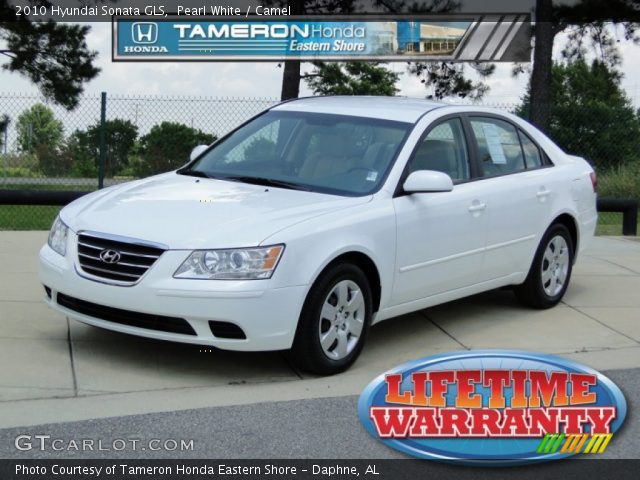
(399,109)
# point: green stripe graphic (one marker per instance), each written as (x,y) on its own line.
(550,443)
(546,438)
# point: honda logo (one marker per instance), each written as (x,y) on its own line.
(144,32)
(110,256)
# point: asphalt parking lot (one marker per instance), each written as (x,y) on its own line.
(295,429)
(54,370)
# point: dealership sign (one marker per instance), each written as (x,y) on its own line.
(493,408)
(144,38)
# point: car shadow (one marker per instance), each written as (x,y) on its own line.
(105,360)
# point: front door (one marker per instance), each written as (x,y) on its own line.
(440,236)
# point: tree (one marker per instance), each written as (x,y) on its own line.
(54,162)
(167,146)
(42,135)
(37,126)
(590,114)
(588,19)
(446,79)
(352,78)
(442,79)
(4,125)
(84,157)
(54,56)
(291,75)
(545,33)
(120,137)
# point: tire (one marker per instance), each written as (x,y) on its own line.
(550,271)
(334,322)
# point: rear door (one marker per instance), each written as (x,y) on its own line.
(519,194)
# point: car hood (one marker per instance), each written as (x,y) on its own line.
(190,213)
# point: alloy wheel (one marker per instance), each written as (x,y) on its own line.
(342,320)
(555,266)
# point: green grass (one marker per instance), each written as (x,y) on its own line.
(32,217)
(27,217)
(620,182)
(610,223)
(609,230)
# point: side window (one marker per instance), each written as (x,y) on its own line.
(531,152)
(499,147)
(444,149)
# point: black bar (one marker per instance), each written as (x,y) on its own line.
(38,197)
(321,469)
(103,145)
(629,210)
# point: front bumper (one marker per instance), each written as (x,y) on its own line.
(268,316)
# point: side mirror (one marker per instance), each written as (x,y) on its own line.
(196,152)
(425,181)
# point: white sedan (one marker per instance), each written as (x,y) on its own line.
(320,217)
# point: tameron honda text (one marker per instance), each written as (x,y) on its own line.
(493,408)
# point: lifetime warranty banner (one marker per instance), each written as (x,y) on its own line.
(482,38)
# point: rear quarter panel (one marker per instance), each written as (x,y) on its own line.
(575,195)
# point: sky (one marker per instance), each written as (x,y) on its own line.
(264,79)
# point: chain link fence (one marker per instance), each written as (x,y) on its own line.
(110,139)
(45,147)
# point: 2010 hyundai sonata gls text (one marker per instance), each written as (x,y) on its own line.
(320,217)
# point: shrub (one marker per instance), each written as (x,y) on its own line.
(53,162)
(37,128)
(20,160)
(590,114)
(620,182)
(120,138)
(167,147)
(13,172)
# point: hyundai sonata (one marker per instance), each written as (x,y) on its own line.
(320,217)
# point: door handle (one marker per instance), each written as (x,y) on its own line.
(543,193)
(477,207)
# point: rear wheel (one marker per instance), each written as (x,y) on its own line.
(550,272)
(334,322)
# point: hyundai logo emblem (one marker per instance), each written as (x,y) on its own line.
(110,256)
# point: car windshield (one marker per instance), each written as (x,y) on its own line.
(335,154)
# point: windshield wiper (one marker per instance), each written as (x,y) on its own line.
(267,182)
(194,173)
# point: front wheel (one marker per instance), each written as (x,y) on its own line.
(334,322)
(550,272)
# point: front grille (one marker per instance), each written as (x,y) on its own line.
(126,317)
(136,258)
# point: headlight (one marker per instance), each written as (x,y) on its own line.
(58,237)
(233,264)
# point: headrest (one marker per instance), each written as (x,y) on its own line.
(437,155)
